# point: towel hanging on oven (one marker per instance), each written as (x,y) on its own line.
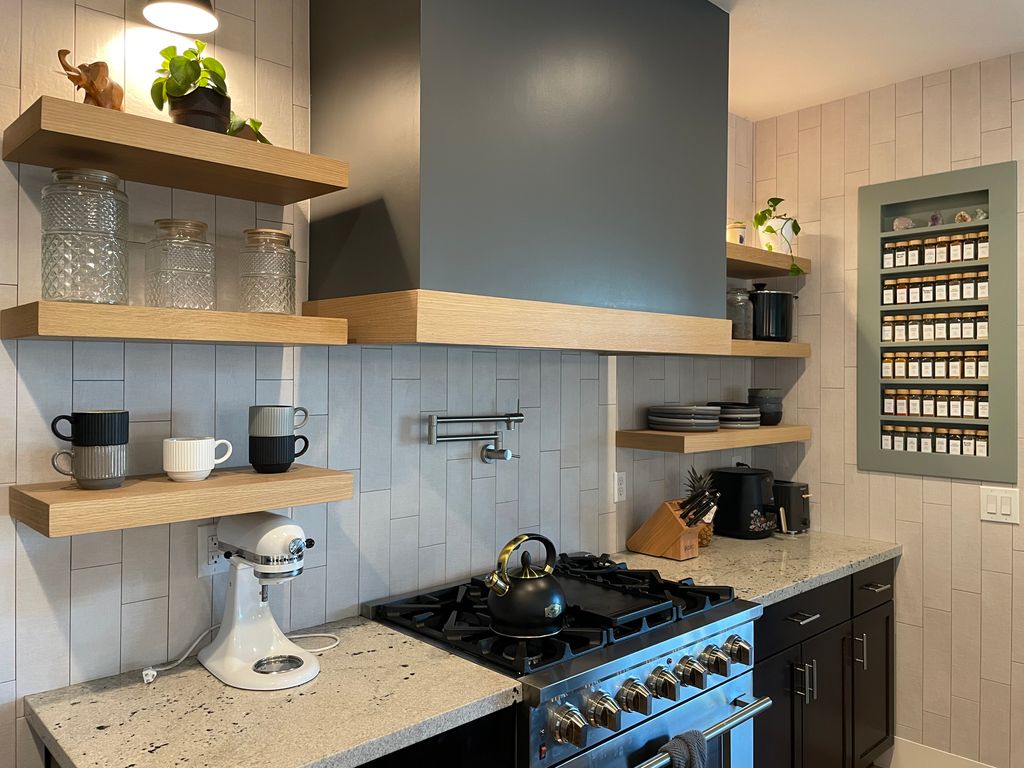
(688,750)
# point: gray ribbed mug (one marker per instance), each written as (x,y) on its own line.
(94,467)
(275,420)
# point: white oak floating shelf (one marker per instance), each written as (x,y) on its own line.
(58,133)
(701,442)
(747,348)
(70,320)
(63,509)
(748,263)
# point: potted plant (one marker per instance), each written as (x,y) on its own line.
(778,230)
(194,88)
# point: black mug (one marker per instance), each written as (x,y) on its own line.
(270,455)
(94,427)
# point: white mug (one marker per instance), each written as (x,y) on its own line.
(187,459)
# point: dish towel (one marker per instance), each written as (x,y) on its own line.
(689,750)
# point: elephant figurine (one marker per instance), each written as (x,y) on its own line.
(95,80)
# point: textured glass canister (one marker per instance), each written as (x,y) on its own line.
(180,266)
(267,272)
(85,236)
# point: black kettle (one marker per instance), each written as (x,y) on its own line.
(528,602)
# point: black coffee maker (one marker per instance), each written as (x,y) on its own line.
(746,509)
(793,506)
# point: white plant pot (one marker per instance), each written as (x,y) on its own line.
(778,243)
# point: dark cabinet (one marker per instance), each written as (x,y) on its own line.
(830,675)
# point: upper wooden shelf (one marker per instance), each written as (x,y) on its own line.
(748,348)
(57,133)
(749,263)
(701,442)
(69,320)
(63,509)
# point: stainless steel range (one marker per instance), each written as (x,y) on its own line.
(638,660)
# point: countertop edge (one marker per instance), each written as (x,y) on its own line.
(41,732)
(805,585)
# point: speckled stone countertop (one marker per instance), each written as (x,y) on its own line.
(769,570)
(377,692)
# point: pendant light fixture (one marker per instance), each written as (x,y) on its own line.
(189,17)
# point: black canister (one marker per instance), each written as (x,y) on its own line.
(773,313)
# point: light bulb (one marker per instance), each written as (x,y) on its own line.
(190,17)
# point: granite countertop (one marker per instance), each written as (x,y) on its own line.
(377,692)
(767,571)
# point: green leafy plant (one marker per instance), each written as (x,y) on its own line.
(181,74)
(769,212)
(239,124)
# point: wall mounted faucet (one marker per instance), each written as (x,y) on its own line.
(491,452)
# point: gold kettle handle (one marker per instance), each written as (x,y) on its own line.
(498,580)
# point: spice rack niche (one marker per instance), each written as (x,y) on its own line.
(937,327)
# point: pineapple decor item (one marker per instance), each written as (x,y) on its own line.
(698,482)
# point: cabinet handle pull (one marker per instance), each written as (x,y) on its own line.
(876,587)
(802,618)
(806,693)
(863,660)
(814,676)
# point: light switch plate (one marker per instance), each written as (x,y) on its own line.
(1000,504)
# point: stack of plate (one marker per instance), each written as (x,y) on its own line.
(739,416)
(683,418)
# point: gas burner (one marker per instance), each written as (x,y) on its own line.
(528,652)
(579,563)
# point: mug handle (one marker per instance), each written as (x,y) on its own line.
(55,422)
(305,417)
(226,456)
(305,444)
(56,464)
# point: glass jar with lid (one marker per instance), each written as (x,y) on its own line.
(899,366)
(180,266)
(970,364)
(928,402)
(740,312)
(942,403)
(968,325)
(953,286)
(941,440)
(926,443)
(956,364)
(887,434)
(889,402)
(928,327)
(970,400)
(941,326)
(982,403)
(982,363)
(899,328)
(968,286)
(941,288)
(912,440)
(902,397)
(899,438)
(914,327)
(84,219)
(955,328)
(981,284)
(970,246)
(914,291)
(914,399)
(914,255)
(887,328)
(902,290)
(954,446)
(981,324)
(956,403)
(267,272)
(942,365)
(981,443)
(928,289)
(888,292)
(942,249)
(900,254)
(927,364)
(914,365)
(983,244)
(956,248)
(888,255)
(929,250)
(888,363)
(967,445)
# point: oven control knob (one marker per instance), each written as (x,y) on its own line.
(663,684)
(634,696)
(739,650)
(692,673)
(716,660)
(569,726)
(603,711)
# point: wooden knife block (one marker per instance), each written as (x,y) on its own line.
(665,535)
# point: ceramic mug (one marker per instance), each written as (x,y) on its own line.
(94,467)
(94,427)
(188,459)
(275,420)
(270,455)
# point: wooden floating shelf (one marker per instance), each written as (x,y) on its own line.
(748,263)
(57,133)
(70,320)
(701,442)
(63,509)
(439,317)
(747,348)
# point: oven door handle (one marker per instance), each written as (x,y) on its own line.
(748,712)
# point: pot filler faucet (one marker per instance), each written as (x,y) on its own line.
(493,450)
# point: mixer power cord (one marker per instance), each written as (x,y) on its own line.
(149,673)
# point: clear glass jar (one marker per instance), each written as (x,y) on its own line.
(928,327)
(888,292)
(887,434)
(84,216)
(889,402)
(888,361)
(955,444)
(927,289)
(740,311)
(900,255)
(941,440)
(981,443)
(902,290)
(956,404)
(899,438)
(941,288)
(267,272)
(914,402)
(970,408)
(983,244)
(942,250)
(914,256)
(887,329)
(941,365)
(914,327)
(956,248)
(899,366)
(955,327)
(914,365)
(941,326)
(970,246)
(967,444)
(914,291)
(968,285)
(953,283)
(981,285)
(942,403)
(912,438)
(927,365)
(970,364)
(981,324)
(888,251)
(982,363)
(968,325)
(928,403)
(929,250)
(956,364)
(982,403)
(902,402)
(926,443)
(899,328)
(180,266)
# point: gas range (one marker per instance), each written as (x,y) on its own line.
(640,660)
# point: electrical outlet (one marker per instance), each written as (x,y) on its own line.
(620,486)
(1000,504)
(208,557)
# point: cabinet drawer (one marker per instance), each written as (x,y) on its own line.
(873,586)
(802,616)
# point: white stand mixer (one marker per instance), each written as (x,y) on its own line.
(250,650)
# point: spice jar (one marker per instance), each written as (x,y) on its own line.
(914,248)
(941,288)
(982,363)
(902,404)
(956,364)
(968,442)
(888,255)
(900,255)
(953,286)
(942,403)
(981,443)
(887,328)
(899,438)
(899,366)
(888,292)
(927,289)
(981,324)
(941,440)
(956,403)
(968,285)
(914,291)
(982,403)
(967,325)
(954,446)
(899,328)
(970,399)
(956,248)
(926,442)
(970,364)
(927,365)
(955,328)
(941,365)
(981,285)
(929,250)
(913,327)
(912,439)
(942,249)
(914,365)
(970,246)
(889,402)
(983,244)
(902,290)
(888,362)
(914,402)
(928,403)
(941,326)
(887,434)
(928,327)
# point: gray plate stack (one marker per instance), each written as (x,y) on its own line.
(683,418)
(739,416)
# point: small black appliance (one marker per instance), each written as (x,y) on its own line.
(793,503)
(746,509)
